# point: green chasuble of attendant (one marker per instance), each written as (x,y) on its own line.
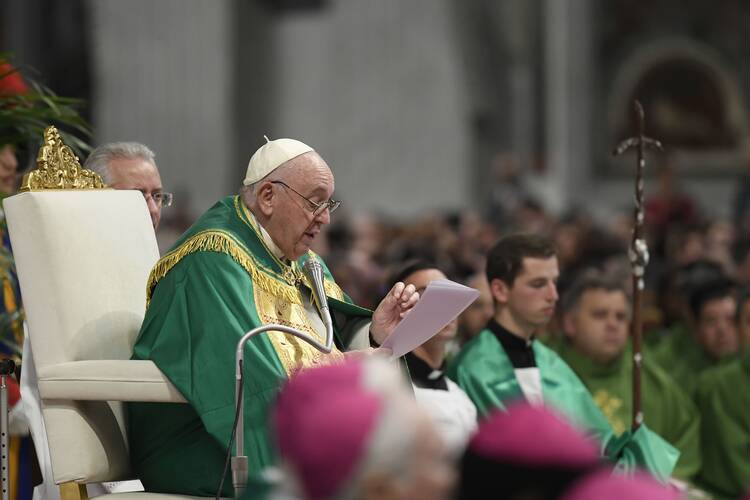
(485,372)
(682,357)
(218,282)
(666,408)
(723,398)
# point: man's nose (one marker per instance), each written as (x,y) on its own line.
(324,217)
(152,205)
(612,321)
(552,293)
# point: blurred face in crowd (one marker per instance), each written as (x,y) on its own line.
(744,324)
(141,175)
(597,327)
(8,167)
(291,220)
(529,303)
(716,330)
(475,317)
(420,280)
(567,242)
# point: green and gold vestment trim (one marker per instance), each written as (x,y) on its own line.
(281,285)
(222,242)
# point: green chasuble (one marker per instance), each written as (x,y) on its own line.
(218,282)
(680,355)
(723,398)
(667,410)
(485,372)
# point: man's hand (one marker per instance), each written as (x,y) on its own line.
(391,310)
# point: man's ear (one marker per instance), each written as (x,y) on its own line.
(264,197)
(499,290)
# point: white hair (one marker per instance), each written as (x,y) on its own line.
(390,445)
(99,159)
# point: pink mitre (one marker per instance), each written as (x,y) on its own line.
(323,419)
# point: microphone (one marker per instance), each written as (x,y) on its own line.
(314,272)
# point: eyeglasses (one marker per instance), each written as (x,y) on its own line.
(161,198)
(315,208)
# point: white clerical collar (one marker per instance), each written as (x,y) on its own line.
(530,381)
(275,250)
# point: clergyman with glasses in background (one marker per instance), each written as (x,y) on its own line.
(131,165)
(239,267)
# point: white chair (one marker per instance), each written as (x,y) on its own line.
(83,257)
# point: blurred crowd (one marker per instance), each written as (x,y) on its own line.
(692,305)
(363,250)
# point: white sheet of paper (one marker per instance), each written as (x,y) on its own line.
(441,301)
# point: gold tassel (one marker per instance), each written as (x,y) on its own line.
(222,242)
(9,296)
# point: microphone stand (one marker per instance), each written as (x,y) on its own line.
(314,272)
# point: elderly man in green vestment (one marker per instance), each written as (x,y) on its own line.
(239,267)
(723,399)
(595,320)
(504,363)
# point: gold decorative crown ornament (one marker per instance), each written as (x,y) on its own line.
(59,168)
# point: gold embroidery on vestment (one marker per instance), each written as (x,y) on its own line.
(610,405)
(275,301)
(293,352)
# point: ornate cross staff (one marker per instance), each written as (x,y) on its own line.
(638,254)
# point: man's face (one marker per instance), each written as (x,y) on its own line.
(8,167)
(420,280)
(141,175)
(744,324)
(598,326)
(716,330)
(293,226)
(531,299)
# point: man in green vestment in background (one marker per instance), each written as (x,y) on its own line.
(239,267)
(595,320)
(504,363)
(711,341)
(723,398)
